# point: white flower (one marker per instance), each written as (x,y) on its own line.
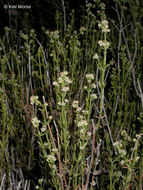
(54,166)
(55,83)
(107,43)
(89,77)
(122,162)
(82,29)
(82,131)
(40,180)
(137,158)
(66,100)
(102,5)
(65,89)
(134,140)
(93,183)
(103,43)
(45,144)
(50,158)
(55,150)
(68,80)
(64,73)
(89,5)
(122,152)
(116,143)
(104,22)
(93,96)
(75,103)
(138,136)
(35,121)
(50,117)
(85,112)
(82,123)
(37,187)
(123,133)
(33,99)
(99,25)
(81,117)
(60,80)
(89,134)
(93,86)
(104,26)
(45,104)
(82,147)
(105,30)
(61,103)
(78,109)
(43,129)
(95,56)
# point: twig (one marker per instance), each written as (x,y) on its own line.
(132,60)
(59,159)
(141,94)
(19,185)
(109,131)
(92,155)
(58,140)
(81,82)
(97,159)
(26,182)
(117,100)
(64,11)
(47,70)
(2,182)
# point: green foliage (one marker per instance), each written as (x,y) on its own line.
(71,105)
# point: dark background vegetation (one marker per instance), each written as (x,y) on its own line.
(42,14)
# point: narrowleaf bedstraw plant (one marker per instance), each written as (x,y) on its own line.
(59,152)
(71,101)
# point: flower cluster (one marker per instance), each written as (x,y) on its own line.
(62,87)
(89,77)
(82,30)
(40,180)
(6,29)
(103,43)
(75,104)
(80,117)
(122,146)
(81,120)
(125,135)
(54,35)
(119,146)
(93,96)
(50,158)
(90,86)
(63,80)
(63,103)
(95,56)
(24,36)
(102,6)
(51,161)
(82,123)
(35,122)
(65,89)
(104,26)
(44,128)
(34,100)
